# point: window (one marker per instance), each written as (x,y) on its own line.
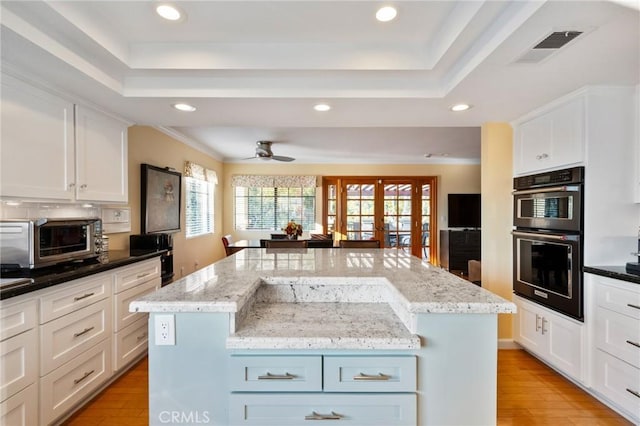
(199,183)
(267,203)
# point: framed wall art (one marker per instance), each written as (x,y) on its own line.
(160,199)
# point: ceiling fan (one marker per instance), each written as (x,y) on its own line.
(263,151)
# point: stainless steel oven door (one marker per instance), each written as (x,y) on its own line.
(548,270)
(557,208)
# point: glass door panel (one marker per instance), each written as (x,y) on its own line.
(425,220)
(360,211)
(397,204)
(331,208)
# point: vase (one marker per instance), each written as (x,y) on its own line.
(292,237)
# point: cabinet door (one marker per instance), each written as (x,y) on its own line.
(567,133)
(21,409)
(37,143)
(101,145)
(528,326)
(565,344)
(532,149)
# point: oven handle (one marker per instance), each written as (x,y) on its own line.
(563,237)
(570,188)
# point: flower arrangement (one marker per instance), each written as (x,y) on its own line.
(293,229)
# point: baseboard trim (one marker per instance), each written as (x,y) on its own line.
(508,344)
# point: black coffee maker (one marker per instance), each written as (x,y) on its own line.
(634,267)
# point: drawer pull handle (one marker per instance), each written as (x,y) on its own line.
(141,337)
(87,374)
(372,377)
(75,299)
(637,345)
(85,331)
(631,305)
(143,275)
(285,376)
(317,416)
(634,393)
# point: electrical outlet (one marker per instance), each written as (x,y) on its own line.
(165,327)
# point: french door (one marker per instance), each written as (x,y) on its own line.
(395,210)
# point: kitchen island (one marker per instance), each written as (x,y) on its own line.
(284,336)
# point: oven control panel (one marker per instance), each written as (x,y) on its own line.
(556,177)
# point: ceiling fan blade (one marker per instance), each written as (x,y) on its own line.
(282,158)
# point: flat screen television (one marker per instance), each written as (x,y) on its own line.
(464,210)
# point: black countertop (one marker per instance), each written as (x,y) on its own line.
(58,274)
(617,272)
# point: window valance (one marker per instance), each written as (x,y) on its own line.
(196,171)
(268,181)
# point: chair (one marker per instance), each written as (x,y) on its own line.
(359,243)
(321,236)
(475,272)
(320,243)
(286,243)
(226,240)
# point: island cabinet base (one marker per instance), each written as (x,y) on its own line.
(449,380)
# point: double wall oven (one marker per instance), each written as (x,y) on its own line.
(548,239)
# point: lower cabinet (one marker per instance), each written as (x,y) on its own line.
(614,306)
(21,409)
(69,384)
(558,340)
(296,409)
(130,343)
(358,390)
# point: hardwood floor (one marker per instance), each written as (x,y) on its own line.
(529,393)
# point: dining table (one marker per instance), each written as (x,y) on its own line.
(260,243)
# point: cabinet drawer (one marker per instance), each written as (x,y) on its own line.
(75,295)
(16,318)
(611,296)
(67,337)
(131,342)
(66,386)
(123,317)
(131,276)
(618,381)
(619,335)
(370,374)
(19,361)
(298,409)
(276,373)
(21,409)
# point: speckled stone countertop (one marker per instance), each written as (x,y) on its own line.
(329,298)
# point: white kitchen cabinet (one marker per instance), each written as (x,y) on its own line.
(55,150)
(75,340)
(38,151)
(556,339)
(130,332)
(19,347)
(552,139)
(21,409)
(101,157)
(614,306)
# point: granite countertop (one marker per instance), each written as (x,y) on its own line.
(617,272)
(227,285)
(59,274)
(323,299)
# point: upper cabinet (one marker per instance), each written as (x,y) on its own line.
(55,150)
(101,157)
(552,139)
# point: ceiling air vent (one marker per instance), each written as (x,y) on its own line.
(548,46)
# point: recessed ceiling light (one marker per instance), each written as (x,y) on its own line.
(386,14)
(13,203)
(460,107)
(322,107)
(169,12)
(184,107)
